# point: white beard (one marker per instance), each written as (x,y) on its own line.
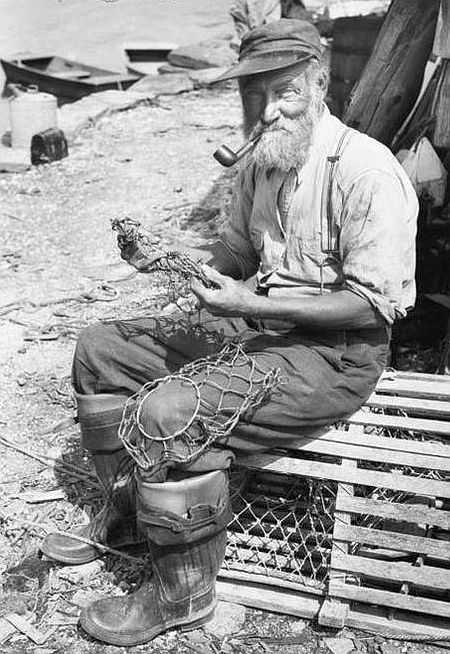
(286,143)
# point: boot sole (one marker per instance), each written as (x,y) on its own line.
(144,636)
(96,554)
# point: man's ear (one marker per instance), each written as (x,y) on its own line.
(323,79)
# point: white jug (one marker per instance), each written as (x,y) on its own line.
(31,113)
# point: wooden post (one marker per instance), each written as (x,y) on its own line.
(391,80)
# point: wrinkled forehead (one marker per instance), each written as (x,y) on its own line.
(279,77)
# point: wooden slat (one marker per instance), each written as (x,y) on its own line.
(368,453)
(398,623)
(401,512)
(413,388)
(400,571)
(388,598)
(430,448)
(392,540)
(317,470)
(246,576)
(438,427)
(415,376)
(417,406)
(334,612)
(385,443)
(270,599)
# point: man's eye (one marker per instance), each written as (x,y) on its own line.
(286,93)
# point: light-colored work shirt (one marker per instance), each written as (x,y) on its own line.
(372,208)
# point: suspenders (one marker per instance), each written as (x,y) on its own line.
(329,236)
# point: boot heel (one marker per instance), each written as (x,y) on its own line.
(197,623)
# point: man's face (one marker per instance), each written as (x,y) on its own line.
(286,103)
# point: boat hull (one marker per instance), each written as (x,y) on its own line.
(66,89)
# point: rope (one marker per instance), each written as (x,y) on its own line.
(440,636)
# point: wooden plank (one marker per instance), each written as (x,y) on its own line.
(317,470)
(393,540)
(246,576)
(367,453)
(399,623)
(257,596)
(334,612)
(414,376)
(400,571)
(388,598)
(417,406)
(410,388)
(385,443)
(438,427)
(401,512)
(392,77)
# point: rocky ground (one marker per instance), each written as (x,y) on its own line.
(60,270)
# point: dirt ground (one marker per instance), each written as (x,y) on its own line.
(60,271)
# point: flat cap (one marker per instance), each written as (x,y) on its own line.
(279,44)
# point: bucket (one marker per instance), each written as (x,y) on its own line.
(31,112)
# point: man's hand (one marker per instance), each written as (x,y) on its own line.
(232,298)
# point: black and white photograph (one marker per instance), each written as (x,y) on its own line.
(224,326)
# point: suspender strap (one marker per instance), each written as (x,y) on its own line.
(329,231)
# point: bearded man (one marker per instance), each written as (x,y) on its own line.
(324,220)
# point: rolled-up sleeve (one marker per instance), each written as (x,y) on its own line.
(378,228)
(235,235)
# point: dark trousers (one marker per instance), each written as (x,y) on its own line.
(326,376)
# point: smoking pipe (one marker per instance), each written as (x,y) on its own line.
(226,157)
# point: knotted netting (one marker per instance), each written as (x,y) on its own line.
(144,251)
(282,527)
(222,388)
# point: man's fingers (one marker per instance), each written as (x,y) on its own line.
(198,288)
(212,274)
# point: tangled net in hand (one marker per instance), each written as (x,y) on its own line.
(224,388)
(142,251)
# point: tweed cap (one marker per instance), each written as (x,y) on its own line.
(279,44)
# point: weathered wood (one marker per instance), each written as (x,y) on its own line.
(398,623)
(392,77)
(399,512)
(428,448)
(438,427)
(399,571)
(388,598)
(367,452)
(334,612)
(441,45)
(245,576)
(415,406)
(441,109)
(317,470)
(255,595)
(393,540)
(436,390)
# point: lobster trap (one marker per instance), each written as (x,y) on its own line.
(352,527)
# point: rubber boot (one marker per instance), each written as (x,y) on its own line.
(115,525)
(186,529)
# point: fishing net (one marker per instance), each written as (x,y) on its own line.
(143,251)
(282,527)
(224,388)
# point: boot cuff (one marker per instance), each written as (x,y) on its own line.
(185,510)
(100,417)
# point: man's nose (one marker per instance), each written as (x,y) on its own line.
(271,112)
